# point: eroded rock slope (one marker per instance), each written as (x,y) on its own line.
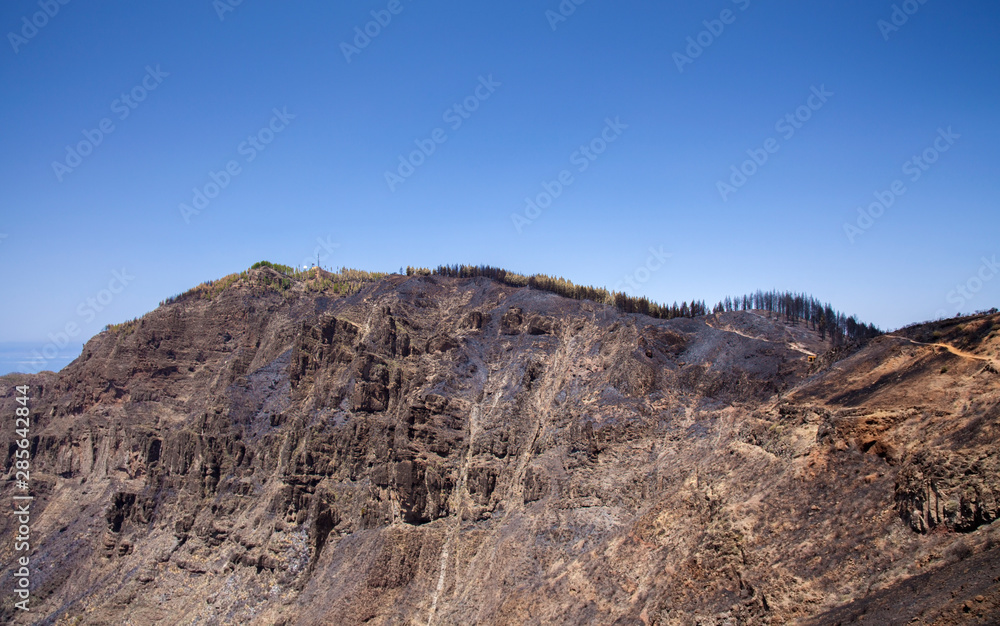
(455,451)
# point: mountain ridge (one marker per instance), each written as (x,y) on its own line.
(457,450)
(793,305)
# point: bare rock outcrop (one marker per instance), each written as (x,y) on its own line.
(458,451)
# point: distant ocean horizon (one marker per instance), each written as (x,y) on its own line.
(31,357)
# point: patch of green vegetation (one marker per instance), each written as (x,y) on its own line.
(278,267)
(283,283)
(125,328)
(344,282)
(944,370)
(207,290)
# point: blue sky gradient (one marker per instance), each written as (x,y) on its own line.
(215,78)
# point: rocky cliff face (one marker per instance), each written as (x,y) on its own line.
(455,451)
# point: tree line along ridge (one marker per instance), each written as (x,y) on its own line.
(793,307)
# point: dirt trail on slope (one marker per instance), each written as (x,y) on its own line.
(793,345)
(952,349)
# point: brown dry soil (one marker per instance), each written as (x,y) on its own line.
(455,451)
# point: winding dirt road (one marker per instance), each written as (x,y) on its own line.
(952,349)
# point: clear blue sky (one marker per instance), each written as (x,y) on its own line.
(216,81)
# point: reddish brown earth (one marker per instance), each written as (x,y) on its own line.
(455,451)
